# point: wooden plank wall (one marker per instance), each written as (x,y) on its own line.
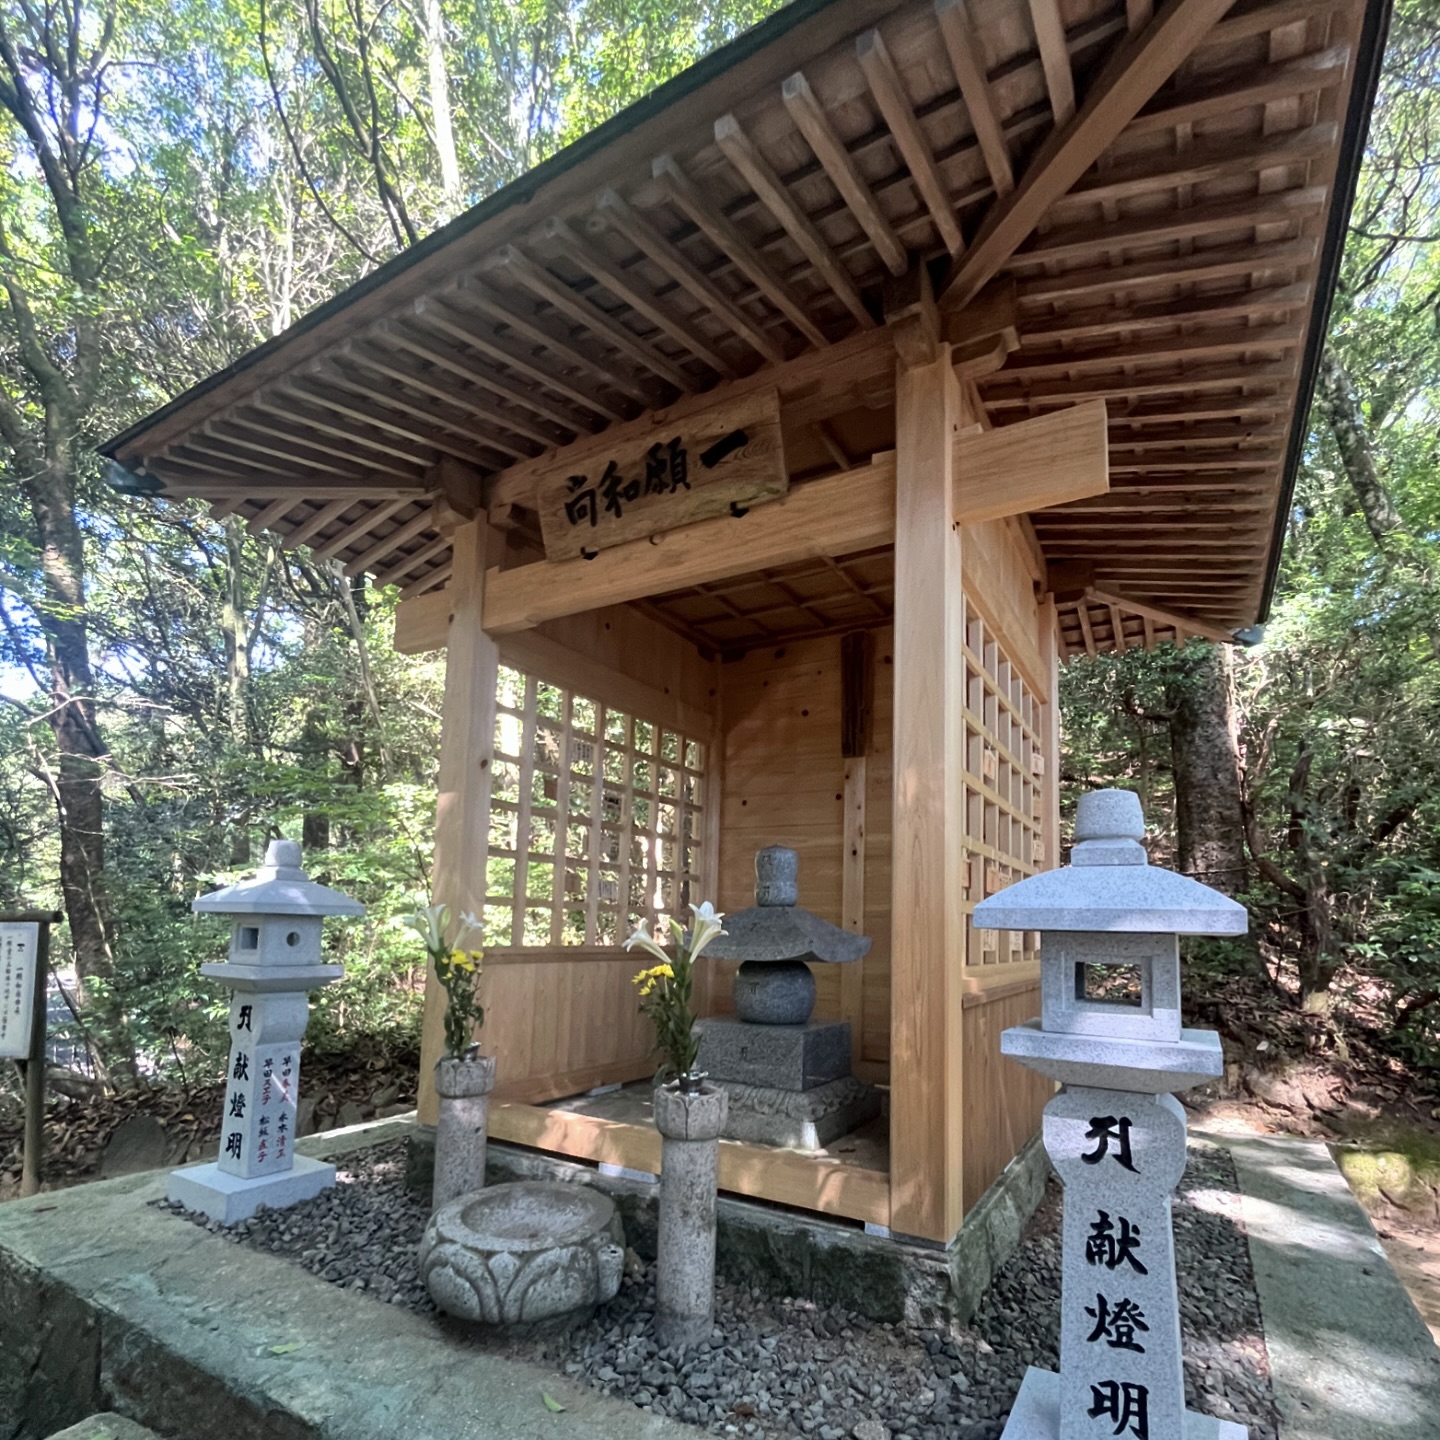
(785,785)
(1002,1100)
(563,1020)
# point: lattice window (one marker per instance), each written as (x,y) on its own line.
(596,819)
(1004,788)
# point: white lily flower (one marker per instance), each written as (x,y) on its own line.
(706,928)
(430,922)
(641,937)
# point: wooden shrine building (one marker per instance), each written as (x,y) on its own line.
(758,459)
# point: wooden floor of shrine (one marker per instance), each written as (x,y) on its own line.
(850,1177)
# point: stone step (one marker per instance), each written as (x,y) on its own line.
(108,1426)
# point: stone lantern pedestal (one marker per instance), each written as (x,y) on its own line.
(274,962)
(690,1127)
(1110,1032)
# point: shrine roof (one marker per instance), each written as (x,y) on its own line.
(1159,194)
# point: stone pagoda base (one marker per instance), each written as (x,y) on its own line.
(774,1057)
(229,1199)
(803,1119)
(1036,1415)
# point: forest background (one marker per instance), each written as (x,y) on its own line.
(180,181)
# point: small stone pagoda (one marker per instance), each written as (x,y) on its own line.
(1110,1032)
(274,961)
(788,1076)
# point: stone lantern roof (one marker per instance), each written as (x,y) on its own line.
(1110,885)
(279,887)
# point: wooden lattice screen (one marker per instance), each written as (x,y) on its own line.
(1004,788)
(611,810)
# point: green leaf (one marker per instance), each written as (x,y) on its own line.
(288,1349)
(551,1403)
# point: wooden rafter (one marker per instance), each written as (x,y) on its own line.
(812,122)
(888,91)
(1137,70)
(967,61)
(1054,57)
(357,530)
(612,208)
(742,153)
(683,193)
(680,329)
(586,313)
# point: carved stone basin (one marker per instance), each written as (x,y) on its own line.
(522,1252)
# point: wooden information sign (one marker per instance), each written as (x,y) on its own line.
(672,474)
(19,946)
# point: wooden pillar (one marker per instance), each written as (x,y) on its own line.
(1048,636)
(927,954)
(467,740)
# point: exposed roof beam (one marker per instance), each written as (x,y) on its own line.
(586,312)
(338,404)
(275,510)
(1304,74)
(408,563)
(681,329)
(888,90)
(325,515)
(428,582)
(446,358)
(441,394)
(1131,77)
(1165,616)
(1241,304)
(1104,238)
(1239,339)
(1218,263)
(684,194)
(416,525)
(615,211)
(967,61)
(431,312)
(1054,57)
(756,170)
(1157,173)
(357,530)
(537,333)
(813,123)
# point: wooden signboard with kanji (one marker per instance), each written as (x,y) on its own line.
(673,473)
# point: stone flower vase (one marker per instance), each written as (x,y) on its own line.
(464,1088)
(690,1128)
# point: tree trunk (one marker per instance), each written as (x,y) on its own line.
(1347,424)
(1205,754)
(440,100)
(80,797)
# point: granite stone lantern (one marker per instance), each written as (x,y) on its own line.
(788,1076)
(274,961)
(1110,1032)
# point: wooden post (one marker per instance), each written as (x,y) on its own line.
(927,954)
(467,741)
(1048,636)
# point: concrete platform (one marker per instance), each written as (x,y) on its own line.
(109,1304)
(1350,1357)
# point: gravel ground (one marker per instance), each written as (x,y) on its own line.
(784,1367)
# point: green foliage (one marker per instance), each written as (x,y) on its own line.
(239,163)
